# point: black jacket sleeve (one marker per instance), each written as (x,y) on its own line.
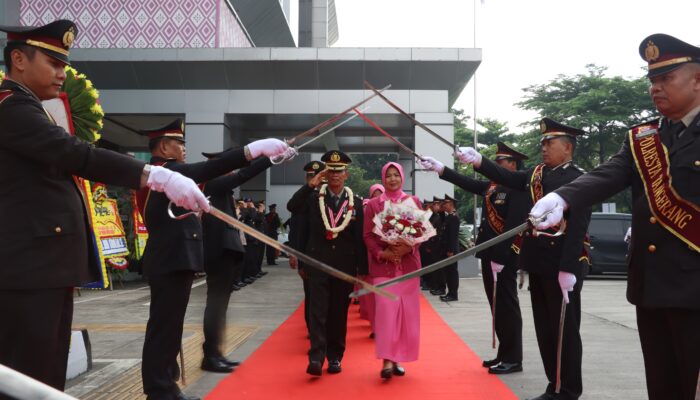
(577,220)
(518,180)
(298,202)
(226,183)
(469,184)
(208,170)
(29,133)
(602,182)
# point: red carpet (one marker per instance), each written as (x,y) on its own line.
(447,368)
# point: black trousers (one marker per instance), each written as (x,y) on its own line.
(307,299)
(509,321)
(271,251)
(671,350)
(170,294)
(546,297)
(452,279)
(328,316)
(250,265)
(220,278)
(35,333)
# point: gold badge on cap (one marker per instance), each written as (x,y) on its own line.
(651,53)
(314,166)
(335,157)
(182,126)
(543,126)
(69,37)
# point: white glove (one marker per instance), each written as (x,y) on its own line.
(432,164)
(628,235)
(180,189)
(467,155)
(496,269)
(567,280)
(551,202)
(267,147)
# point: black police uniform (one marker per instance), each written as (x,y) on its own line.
(451,238)
(664,271)
(46,249)
(435,251)
(223,253)
(272,224)
(543,257)
(511,206)
(298,226)
(174,252)
(347,252)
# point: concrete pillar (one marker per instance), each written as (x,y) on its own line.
(428,184)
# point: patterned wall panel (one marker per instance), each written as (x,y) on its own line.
(230,32)
(140,23)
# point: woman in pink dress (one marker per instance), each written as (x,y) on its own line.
(367,301)
(396,323)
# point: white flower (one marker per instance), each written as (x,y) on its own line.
(399,227)
(412,231)
(392,222)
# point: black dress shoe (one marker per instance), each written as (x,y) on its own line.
(437,292)
(228,362)
(172,396)
(398,371)
(386,373)
(315,368)
(371,335)
(263,273)
(241,284)
(235,287)
(214,364)
(334,367)
(249,280)
(490,363)
(182,396)
(448,297)
(503,368)
(544,396)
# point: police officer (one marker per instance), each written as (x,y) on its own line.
(174,251)
(223,259)
(297,227)
(436,247)
(661,161)
(46,245)
(503,209)
(555,264)
(272,224)
(451,238)
(335,238)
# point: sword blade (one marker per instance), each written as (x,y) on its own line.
(335,117)
(312,262)
(329,130)
(560,339)
(493,312)
(388,135)
(407,115)
(450,260)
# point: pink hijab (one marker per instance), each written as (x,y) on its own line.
(396,195)
(374,188)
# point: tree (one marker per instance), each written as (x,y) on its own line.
(604,107)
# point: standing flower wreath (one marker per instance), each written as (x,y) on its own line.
(348,207)
(85,109)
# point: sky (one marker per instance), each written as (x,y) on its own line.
(524,42)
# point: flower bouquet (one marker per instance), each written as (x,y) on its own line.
(403,223)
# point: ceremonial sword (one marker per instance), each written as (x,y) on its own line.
(531,222)
(388,135)
(560,339)
(493,310)
(335,117)
(293,151)
(312,262)
(412,119)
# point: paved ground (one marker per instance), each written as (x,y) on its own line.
(612,366)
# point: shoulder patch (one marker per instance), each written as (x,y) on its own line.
(5,94)
(579,169)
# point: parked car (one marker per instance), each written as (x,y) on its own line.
(608,250)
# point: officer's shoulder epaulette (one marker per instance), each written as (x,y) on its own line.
(5,94)
(655,121)
(579,169)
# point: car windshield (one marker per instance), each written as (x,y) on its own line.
(608,227)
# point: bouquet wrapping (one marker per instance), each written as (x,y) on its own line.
(403,222)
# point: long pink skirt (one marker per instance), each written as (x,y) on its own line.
(397,323)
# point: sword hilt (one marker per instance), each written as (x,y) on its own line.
(534,221)
(288,154)
(172,214)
